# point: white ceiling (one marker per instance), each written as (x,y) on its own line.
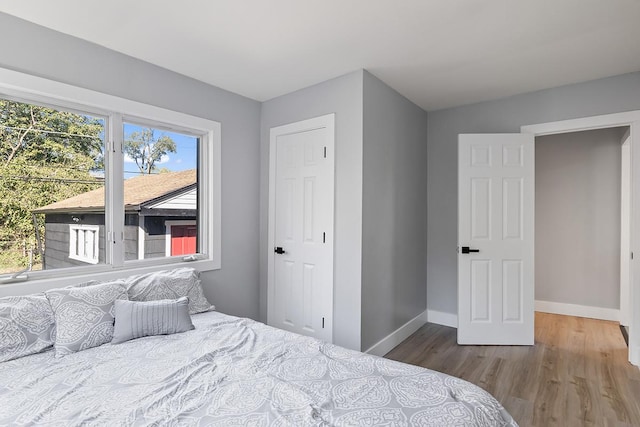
(438,53)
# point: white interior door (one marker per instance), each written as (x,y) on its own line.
(301,228)
(496,239)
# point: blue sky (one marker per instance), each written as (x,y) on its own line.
(184,158)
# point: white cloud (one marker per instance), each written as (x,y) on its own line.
(163,159)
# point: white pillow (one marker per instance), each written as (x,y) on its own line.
(169,284)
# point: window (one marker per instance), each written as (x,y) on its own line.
(84,243)
(160,185)
(51,170)
(97,182)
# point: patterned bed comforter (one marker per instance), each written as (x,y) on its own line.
(235,372)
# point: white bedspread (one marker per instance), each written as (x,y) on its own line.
(235,372)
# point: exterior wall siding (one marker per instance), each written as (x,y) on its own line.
(186,201)
(155,246)
(130,242)
(56,247)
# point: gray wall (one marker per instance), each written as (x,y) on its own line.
(342,96)
(394,207)
(609,95)
(578,217)
(46,53)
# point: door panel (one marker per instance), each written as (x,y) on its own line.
(496,218)
(512,291)
(480,208)
(183,239)
(480,290)
(300,297)
(512,208)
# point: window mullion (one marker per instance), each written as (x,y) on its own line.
(114,209)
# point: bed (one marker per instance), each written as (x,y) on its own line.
(231,371)
(150,350)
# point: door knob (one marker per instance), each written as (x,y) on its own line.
(466,250)
(278,250)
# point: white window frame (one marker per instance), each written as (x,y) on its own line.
(115,110)
(74,230)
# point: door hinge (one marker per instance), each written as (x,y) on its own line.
(324,237)
(325,152)
(323,323)
(631,255)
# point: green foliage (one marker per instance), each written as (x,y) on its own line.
(46,156)
(48,135)
(146,149)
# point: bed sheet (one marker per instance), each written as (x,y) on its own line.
(232,371)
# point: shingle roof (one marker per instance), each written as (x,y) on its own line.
(137,191)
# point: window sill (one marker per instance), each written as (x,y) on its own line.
(36,285)
(85,260)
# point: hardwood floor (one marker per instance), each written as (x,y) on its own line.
(577,374)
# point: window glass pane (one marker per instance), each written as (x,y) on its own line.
(160,193)
(51,180)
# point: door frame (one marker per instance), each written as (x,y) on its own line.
(625,230)
(631,119)
(322,122)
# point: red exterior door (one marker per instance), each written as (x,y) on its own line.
(183,239)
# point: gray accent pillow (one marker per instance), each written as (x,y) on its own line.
(84,316)
(169,284)
(26,326)
(136,319)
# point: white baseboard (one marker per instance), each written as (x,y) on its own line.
(578,310)
(386,344)
(451,319)
(442,318)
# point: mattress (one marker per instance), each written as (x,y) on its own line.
(231,371)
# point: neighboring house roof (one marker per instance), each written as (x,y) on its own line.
(138,191)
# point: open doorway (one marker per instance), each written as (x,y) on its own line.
(582,223)
(629,119)
(492,163)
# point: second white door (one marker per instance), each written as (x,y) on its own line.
(496,238)
(300,297)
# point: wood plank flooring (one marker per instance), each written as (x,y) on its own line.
(577,374)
